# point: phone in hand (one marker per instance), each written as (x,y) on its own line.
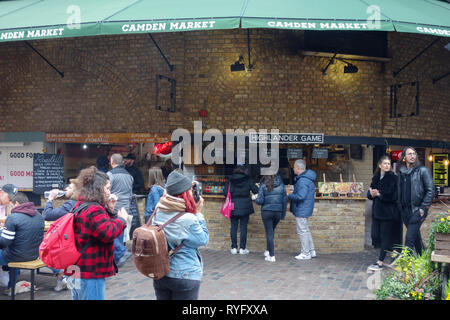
(196,191)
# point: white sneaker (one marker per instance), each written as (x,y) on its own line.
(313,254)
(303,256)
(270,259)
(233,251)
(244,251)
(61,284)
(266,253)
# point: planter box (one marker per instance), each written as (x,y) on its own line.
(442,244)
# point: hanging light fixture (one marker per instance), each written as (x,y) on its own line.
(430,156)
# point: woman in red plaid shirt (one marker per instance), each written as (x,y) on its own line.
(95,227)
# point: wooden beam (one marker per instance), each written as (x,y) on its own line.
(343,56)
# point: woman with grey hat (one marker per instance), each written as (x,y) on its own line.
(189,230)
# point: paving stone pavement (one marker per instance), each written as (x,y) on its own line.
(336,276)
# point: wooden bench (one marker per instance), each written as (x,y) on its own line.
(26,265)
(444,269)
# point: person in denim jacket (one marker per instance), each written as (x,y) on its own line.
(156,183)
(186,266)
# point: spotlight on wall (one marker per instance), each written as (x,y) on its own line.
(350,68)
(84,146)
(238,65)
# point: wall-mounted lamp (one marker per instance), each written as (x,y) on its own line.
(446,162)
(430,156)
(238,65)
(84,146)
(350,68)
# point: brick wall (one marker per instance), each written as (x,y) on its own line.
(109,86)
(336,226)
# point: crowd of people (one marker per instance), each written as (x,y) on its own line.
(100,226)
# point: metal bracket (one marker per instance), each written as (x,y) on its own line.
(395,73)
(440,77)
(45,59)
(324,71)
(171,66)
(173,85)
(250,66)
(393,112)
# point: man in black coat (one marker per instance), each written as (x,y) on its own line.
(416,193)
(240,187)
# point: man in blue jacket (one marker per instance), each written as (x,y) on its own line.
(302,206)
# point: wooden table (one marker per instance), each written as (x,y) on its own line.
(443,265)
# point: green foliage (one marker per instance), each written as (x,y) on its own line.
(412,279)
(447,291)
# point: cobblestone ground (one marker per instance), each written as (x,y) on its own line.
(245,277)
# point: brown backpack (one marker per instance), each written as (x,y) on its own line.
(150,249)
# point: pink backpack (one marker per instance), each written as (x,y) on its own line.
(58,249)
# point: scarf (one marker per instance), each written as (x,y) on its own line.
(169,203)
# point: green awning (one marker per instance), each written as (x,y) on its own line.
(46,19)
(418,16)
(415,16)
(310,15)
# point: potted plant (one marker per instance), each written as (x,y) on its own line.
(412,278)
(440,234)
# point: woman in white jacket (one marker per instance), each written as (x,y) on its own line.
(186,266)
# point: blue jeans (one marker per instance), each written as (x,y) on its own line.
(176,289)
(119,248)
(243,227)
(89,289)
(3,262)
(270,220)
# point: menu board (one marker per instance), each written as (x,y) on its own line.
(294,153)
(440,170)
(320,153)
(48,172)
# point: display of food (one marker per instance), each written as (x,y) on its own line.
(342,187)
(357,187)
(326,187)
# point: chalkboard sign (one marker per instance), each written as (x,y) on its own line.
(320,153)
(294,153)
(48,172)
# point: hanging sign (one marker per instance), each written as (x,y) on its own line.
(320,153)
(294,153)
(108,138)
